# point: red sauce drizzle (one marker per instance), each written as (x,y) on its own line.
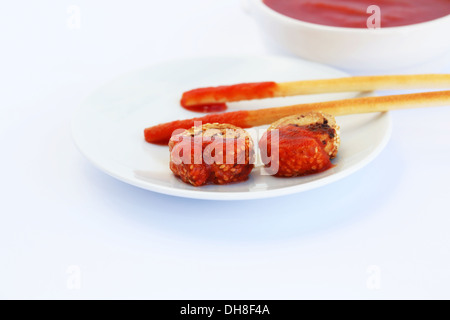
(160,134)
(216,107)
(213,99)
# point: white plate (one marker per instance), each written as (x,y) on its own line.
(108,127)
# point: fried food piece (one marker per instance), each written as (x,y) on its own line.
(300,145)
(212,154)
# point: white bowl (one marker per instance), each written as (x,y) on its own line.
(355,48)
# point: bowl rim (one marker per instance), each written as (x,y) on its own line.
(363,31)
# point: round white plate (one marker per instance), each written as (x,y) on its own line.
(108,126)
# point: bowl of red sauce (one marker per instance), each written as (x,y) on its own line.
(365,35)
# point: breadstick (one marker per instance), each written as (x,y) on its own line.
(261,90)
(251,118)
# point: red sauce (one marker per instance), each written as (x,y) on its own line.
(300,152)
(213,99)
(216,107)
(160,134)
(202,172)
(353,13)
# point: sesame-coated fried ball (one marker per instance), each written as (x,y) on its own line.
(212,154)
(300,145)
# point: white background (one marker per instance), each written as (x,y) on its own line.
(57,210)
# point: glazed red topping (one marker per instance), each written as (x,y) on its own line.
(353,13)
(300,152)
(200,100)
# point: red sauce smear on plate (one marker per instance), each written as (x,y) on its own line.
(353,13)
(212,99)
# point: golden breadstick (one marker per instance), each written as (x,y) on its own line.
(251,118)
(260,90)
(365,83)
